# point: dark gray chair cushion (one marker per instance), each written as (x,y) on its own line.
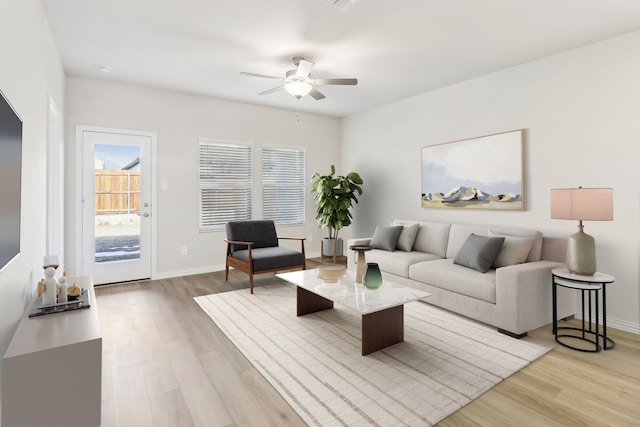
(261,232)
(271,258)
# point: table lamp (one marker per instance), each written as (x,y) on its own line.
(582,204)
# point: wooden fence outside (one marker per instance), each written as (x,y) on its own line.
(117,191)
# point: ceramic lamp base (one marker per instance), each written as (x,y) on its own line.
(581,253)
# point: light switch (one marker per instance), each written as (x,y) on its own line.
(164,185)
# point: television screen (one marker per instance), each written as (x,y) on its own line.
(10,177)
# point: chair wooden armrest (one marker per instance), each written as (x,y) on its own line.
(300,239)
(238,242)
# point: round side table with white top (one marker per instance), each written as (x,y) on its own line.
(588,286)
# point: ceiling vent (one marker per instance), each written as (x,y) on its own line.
(340,4)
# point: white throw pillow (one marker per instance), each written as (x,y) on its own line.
(407,237)
(515,250)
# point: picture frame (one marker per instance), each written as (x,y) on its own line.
(484,172)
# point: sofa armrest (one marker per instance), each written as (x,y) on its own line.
(524,292)
(351,255)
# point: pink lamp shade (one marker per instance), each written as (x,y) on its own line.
(584,204)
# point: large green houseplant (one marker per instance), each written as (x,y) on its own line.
(334,196)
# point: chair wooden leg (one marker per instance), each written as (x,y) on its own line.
(251,281)
(226,276)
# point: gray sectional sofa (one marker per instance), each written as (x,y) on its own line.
(514,295)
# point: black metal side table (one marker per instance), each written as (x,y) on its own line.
(590,331)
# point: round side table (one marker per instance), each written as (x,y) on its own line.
(360,259)
(590,331)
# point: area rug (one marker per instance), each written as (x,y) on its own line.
(315,361)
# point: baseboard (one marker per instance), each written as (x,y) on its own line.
(622,325)
(208,269)
(188,272)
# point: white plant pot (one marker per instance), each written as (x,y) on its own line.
(328,246)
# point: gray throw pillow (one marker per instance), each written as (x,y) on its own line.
(386,237)
(407,237)
(479,252)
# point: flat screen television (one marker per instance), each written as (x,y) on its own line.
(10,181)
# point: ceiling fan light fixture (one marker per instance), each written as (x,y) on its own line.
(298,89)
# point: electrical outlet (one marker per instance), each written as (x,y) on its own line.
(310,237)
(184,251)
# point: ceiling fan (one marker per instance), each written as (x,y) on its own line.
(298,82)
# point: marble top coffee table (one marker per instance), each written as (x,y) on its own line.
(382,309)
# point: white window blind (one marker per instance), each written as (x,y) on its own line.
(283,185)
(225,183)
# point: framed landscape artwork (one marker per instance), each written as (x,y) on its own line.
(485,172)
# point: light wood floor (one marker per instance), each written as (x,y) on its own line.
(166,364)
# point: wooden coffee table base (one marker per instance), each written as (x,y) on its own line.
(382,329)
(379,329)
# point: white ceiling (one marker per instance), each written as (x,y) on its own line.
(396,49)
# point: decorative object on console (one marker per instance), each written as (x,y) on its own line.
(63,296)
(50,287)
(484,172)
(334,197)
(590,204)
(372,277)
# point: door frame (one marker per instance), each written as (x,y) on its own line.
(80,129)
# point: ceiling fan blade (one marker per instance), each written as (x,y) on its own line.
(304,68)
(316,95)
(260,75)
(336,81)
(270,91)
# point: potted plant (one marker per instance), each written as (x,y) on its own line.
(334,197)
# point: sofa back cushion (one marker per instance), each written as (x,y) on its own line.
(432,238)
(460,232)
(458,235)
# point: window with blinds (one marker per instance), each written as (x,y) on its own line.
(283,185)
(225,183)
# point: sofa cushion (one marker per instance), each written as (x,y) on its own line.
(271,258)
(432,238)
(515,250)
(386,237)
(479,252)
(397,262)
(458,235)
(407,236)
(444,274)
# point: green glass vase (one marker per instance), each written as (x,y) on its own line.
(372,278)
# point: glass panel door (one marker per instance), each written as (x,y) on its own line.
(116,206)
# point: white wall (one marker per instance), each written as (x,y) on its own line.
(30,73)
(580,112)
(179,120)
